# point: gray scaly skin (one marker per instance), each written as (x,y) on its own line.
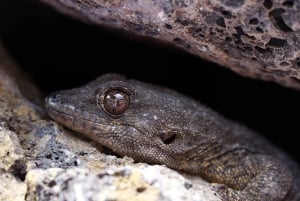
(159,126)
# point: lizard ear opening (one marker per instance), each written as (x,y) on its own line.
(168,137)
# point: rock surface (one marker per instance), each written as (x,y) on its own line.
(258,39)
(142,182)
(41,160)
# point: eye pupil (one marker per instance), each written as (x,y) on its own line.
(116,102)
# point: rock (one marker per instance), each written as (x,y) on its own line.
(42,160)
(11,150)
(11,155)
(11,188)
(123,183)
(258,39)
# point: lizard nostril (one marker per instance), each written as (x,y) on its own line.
(53,99)
(168,137)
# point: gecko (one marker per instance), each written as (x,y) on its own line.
(157,125)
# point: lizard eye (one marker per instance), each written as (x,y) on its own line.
(116,101)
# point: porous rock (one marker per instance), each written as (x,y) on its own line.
(140,183)
(41,160)
(258,39)
(11,188)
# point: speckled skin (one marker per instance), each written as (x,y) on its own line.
(164,127)
(258,39)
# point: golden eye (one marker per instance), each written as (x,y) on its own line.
(116,101)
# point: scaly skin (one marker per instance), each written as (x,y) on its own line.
(159,126)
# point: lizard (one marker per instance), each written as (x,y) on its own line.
(157,125)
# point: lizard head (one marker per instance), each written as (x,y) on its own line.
(143,121)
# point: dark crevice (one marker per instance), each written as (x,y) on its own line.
(140,189)
(228,39)
(288,3)
(183,22)
(259,30)
(262,50)
(277,43)
(268,4)
(240,32)
(221,22)
(19,169)
(298,62)
(197,32)
(109,151)
(277,20)
(233,3)
(168,26)
(285,64)
(188,185)
(226,14)
(253,21)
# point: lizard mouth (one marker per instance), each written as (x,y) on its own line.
(89,125)
(65,117)
(69,115)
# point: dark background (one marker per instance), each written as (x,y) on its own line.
(60,53)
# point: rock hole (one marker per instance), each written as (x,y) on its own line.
(82,153)
(277,20)
(183,22)
(221,22)
(226,14)
(276,43)
(228,39)
(48,156)
(240,32)
(285,64)
(102,175)
(18,169)
(268,4)
(168,26)
(233,3)
(259,30)
(253,21)
(248,48)
(262,50)
(52,183)
(140,189)
(288,3)
(196,32)
(188,185)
